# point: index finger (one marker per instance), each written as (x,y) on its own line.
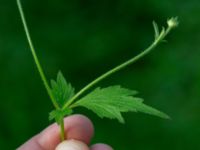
(77,127)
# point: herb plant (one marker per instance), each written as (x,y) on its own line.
(107,102)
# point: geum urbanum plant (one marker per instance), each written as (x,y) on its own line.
(109,102)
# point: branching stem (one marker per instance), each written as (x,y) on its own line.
(121,66)
(159,37)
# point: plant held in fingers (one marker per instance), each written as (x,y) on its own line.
(109,102)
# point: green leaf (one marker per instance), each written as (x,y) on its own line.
(156,29)
(59,114)
(61,90)
(110,102)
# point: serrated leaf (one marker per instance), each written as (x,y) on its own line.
(111,101)
(61,90)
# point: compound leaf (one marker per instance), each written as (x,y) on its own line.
(110,102)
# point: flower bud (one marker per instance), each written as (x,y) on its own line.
(173,22)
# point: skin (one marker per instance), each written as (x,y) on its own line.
(77,127)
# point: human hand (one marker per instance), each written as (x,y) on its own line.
(79,131)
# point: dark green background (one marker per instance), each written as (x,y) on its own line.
(85,38)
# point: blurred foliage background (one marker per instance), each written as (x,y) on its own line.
(85,38)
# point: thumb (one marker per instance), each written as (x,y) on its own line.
(72,145)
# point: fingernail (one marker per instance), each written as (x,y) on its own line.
(72,145)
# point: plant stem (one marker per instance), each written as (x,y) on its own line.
(123,65)
(62,130)
(41,72)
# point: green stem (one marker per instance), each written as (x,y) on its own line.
(62,130)
(35,56)
(123,65)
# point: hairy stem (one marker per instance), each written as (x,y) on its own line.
(40,70)
(121,66)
